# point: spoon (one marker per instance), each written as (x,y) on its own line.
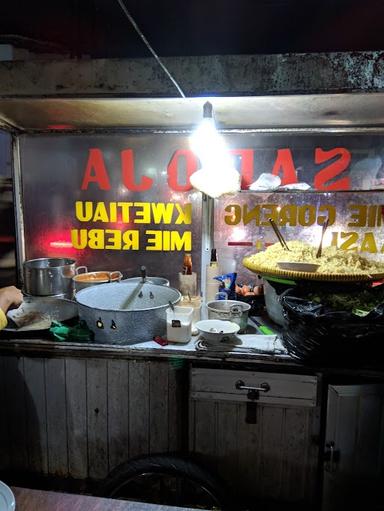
(325,225)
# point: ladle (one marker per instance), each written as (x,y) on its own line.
(325,225)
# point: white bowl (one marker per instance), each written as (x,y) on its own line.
(216,329)
(307,267)
(7,498)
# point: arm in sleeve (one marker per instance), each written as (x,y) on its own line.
(3,319)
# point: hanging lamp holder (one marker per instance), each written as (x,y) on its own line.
(207,110)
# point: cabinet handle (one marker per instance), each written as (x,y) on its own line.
(264,387)
(331,456)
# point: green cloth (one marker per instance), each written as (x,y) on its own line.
(79,332)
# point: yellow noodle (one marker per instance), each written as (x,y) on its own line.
(331,261)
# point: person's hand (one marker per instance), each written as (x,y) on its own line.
(10,298)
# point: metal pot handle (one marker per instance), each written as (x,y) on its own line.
(81,268)
(143,273)
(236,310)
(117,275)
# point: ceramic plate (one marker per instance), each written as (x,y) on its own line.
(307,267)
(7,499)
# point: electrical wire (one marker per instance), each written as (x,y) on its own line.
(147,44)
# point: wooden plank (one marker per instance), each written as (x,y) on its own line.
(242,398)
(158,407)
(313,481)
(138,408)
(4,425)
(36,410)
(291,387)
(249,445)
(227,440)
(56,417)
(16,412)
(271,422)
(118,412)
(97,413)
(369,437)
(177,407)
(295,430)
(205,431)
(76,395)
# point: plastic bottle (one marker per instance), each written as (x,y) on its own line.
(211,285)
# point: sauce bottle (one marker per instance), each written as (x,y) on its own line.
(187,264)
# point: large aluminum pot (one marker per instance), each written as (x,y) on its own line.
(230,310)
(126,312)
(49,276)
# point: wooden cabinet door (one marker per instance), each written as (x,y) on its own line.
(354,448)
(265,449)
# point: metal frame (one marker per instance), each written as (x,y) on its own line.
(18,205)
(208,204)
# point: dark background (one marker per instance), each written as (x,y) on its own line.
(99,29)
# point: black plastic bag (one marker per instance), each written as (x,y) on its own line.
(318,334)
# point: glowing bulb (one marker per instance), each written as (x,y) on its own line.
(217,175)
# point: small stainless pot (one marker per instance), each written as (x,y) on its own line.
(84,278)
(49,276)
(231,310)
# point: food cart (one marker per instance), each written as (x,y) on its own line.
(104,179)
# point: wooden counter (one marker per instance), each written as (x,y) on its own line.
(37,500)
(75,411)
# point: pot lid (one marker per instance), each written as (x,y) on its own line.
(127,296)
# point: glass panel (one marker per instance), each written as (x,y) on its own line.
(242,227)
(84,191)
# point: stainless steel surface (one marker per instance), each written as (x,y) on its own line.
(277,111)
(230,310)
(126,312)
(49,276)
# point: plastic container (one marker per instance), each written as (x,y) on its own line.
(195,304)
(179,324)
(188,284)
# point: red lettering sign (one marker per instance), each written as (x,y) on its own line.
(246,166)
(191,163)
(128,173)
(99,175)
(333,169)
(284,162)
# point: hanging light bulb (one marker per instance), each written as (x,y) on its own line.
(217,175)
